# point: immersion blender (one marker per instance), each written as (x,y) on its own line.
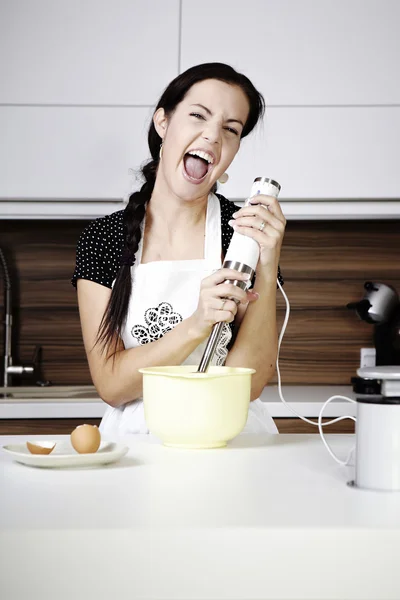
(242,255)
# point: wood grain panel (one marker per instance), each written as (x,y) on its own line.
(66,426)
(50,326)
(305,326)
(55,293)
(42,426)
(289,425)
(341,250)
(323,293)
(313,294)
(325,265)
(63,373)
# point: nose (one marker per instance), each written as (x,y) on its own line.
(212,133)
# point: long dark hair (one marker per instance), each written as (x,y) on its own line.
(115,314)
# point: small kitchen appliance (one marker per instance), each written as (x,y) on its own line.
(377,394)
(242,255)
(377,449)
(380,306)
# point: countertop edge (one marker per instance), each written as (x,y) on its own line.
(306,400)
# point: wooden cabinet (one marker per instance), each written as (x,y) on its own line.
(66,426)
(42,426)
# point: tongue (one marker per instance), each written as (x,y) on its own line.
(195,167)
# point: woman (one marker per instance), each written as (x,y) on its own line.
(149,278)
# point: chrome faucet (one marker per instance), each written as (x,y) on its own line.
(10,370)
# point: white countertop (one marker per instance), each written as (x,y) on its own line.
(307,400)
(268,517)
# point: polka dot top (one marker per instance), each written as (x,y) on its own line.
(100,245)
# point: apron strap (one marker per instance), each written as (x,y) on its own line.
(212,245)
(212,240)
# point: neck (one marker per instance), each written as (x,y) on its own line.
(172,213)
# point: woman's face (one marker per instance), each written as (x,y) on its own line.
(201,137)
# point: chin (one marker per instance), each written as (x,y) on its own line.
(191,195)
(188,191)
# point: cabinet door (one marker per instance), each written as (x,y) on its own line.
(77,153)
(112,52)
(87,153)
(301,52)
(322,153)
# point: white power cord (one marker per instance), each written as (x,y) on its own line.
(318,423)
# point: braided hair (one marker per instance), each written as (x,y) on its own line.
(115,314)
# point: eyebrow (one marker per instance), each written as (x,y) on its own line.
(208,111)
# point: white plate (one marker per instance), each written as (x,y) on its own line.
(64,455)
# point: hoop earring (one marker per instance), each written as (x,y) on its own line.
(161,150)
(224,178)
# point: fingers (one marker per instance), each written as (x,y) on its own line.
(222,275)
(218,300)
(228,290)
(270,203)
(265,203)
(223,304)
(225,311)
(252,296)
(268,238)
(255,215)
(255,222)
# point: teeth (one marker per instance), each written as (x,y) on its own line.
(203,155)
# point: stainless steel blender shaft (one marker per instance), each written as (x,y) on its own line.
(217,328)
(211,347)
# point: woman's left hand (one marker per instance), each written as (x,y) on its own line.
(263,221)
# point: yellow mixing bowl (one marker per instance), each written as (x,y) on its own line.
(196,410)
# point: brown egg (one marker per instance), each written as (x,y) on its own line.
(39,449)
(86,439)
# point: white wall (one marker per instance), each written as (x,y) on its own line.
(79,79)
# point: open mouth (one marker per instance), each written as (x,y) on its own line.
(197,165)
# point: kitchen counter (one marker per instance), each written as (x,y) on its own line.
(268,517)
(307,400)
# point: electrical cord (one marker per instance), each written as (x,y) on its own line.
(318,423)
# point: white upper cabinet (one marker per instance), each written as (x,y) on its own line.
(63,153)
(87,52)
(322,154)
(79,80)
(301,52)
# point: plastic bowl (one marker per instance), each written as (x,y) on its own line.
(187,409)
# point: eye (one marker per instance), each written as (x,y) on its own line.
(197,115)
(231,130)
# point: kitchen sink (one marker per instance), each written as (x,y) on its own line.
(51,393)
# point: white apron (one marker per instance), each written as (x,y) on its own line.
(163,294)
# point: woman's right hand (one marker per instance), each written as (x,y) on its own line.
(217,300)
